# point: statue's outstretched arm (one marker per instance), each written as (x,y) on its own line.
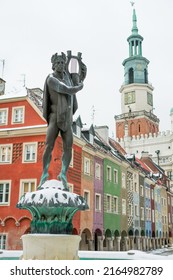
(60,87)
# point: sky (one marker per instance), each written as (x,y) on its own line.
(33,30)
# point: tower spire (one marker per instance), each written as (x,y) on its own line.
(134,27)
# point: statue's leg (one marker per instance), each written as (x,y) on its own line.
(67,138)
(52,134)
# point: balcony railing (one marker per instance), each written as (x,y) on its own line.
(134,114)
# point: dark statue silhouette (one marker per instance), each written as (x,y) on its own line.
(59,105)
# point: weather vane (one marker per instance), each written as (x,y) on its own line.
(132,3)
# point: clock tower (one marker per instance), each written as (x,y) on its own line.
(136,116)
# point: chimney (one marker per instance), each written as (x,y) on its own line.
(103,131)
(2,86)
(144,154)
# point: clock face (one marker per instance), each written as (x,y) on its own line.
(139,66)
(129,97)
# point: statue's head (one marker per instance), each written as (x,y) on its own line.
(56,58)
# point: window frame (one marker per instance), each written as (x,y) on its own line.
(24,160)
(142,213)
(3,203)
(2,241)
(97,171)
(115,204)
(115,172)
(124,207)
(87,166)
(6,116)
(13,121)
(108,203)
(88,197)
(10,154)
(99,202)
(22,181)
(109,173)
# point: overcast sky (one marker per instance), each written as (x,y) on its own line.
(33,30)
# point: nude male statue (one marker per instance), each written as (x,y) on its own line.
(59,105)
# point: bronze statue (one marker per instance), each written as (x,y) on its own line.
(59,105)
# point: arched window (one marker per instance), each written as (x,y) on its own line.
(131,76)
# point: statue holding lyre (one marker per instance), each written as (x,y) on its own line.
(59,105)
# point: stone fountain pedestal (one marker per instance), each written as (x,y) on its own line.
(50,247)
(52,211)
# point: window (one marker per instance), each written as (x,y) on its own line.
(169,218)
(30,152)
(3,239)
(108,203)
(136,211)
(3,116)
(147,193)
(123,206)
(109,173)
(136,187)
(149,214)
(142,190)
(18,115)
(142,213)
(4,193)
(163,201)
(5,153)
(130,209)
(87,166)
(153,216)
(115,176)
(98,202)
(115,204)
(152,194)
(27,186)
(78,131)
(87,197)
(97,171)
(123,180)
(131,76)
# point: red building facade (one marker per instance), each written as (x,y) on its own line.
(22,142)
